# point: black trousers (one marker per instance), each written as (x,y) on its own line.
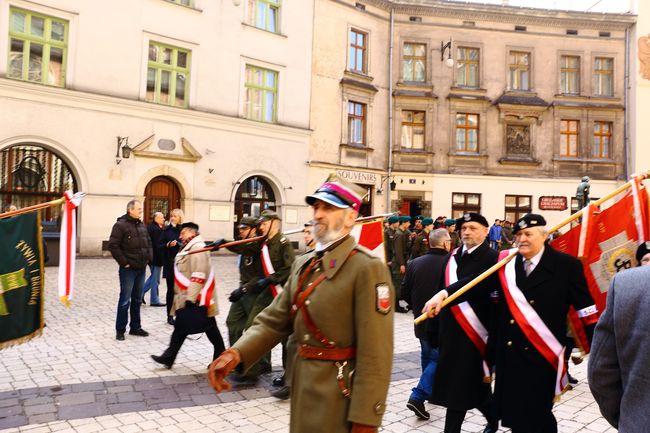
(549,425)
(455,417)
(193,320)
(169,296)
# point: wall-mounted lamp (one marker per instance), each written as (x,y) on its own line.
(288,187)
(393,185)
(443,47)
(122,143)
(210,170)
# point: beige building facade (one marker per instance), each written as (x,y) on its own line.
(196,104)
(441,108)
(640,88)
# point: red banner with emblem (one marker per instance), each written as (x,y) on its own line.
(371,235)
(606,243)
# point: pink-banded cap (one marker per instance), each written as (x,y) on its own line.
(338,192)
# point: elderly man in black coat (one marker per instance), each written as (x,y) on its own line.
(462,379)
(421,282)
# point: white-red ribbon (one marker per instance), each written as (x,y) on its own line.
(205,296)
(68,246)
(638,214)
(466,316)
(532,324)
(268,270)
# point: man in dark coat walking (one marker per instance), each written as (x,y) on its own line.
(130,246)
(421,282)
(537,288)
(462,379)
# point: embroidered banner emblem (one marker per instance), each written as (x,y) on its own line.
(383,298)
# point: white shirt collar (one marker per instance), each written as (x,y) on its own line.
(534,261)
(470,251)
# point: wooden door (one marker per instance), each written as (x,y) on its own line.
(161,195)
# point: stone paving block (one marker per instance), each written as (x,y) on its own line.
(40,408)
(228,397)
(119,388)
(96,386)
(76,398)
(149,384)
(160,396)
(42,418)
(172,380)
(11,411)
(8,402)
(38,400)
(127,407)
(130,396)
(202,400)
(13,421)
(82,411)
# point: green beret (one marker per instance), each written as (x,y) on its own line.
(450,222)
(404,219)
(393,219)
(427,221)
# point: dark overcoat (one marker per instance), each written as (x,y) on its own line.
(458,382)
(525,380)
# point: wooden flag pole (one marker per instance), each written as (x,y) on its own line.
(503,262)
(32,208)
(358,220)
(229,244)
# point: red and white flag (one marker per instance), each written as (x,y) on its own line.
(606,243)
(68,246)
(371,235)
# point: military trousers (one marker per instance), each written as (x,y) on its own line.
(238,315)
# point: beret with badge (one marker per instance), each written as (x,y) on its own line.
(643,249)
(529,220)
(393,219)
(427,222)
(471,217)
(247,221)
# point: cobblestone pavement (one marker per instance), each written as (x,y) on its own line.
(77,377)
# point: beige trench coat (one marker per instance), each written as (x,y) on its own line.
(349,307)
(197,266)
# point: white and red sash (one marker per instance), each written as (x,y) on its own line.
(532,324)
(205,296)
(268,270)
(466,316)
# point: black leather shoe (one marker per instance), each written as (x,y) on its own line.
(171,321)
(163,361)
(491,427)
(283,393)
(400,309)
(158,305)
(418,408)
(278,381)
(139,332)
(572,380)
(119,336)
(143,302)
(238,380)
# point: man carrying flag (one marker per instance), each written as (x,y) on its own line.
(535,290)
(195,297)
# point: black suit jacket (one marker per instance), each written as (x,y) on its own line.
(421,282)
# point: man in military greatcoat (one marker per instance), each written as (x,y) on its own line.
(462,378)
(421,242)
(401,251)
(339,303)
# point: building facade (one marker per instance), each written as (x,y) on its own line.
(201,105)
(441,108)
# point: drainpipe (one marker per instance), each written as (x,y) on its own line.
(389,171)
(626,100)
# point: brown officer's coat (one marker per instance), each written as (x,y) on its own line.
(193,265)
(347,308)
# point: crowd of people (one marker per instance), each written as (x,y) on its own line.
(499,348)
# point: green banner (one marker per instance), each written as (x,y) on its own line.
(21,281)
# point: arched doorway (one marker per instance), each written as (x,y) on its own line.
(161,195)
(253,196)
(31,174)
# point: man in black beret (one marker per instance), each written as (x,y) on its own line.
(462,379)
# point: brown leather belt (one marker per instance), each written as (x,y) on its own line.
(327,353)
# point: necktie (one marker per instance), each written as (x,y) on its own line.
(528,267)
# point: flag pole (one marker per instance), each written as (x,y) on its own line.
(32,208)
(228,244)
(358,220)
(505,260)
